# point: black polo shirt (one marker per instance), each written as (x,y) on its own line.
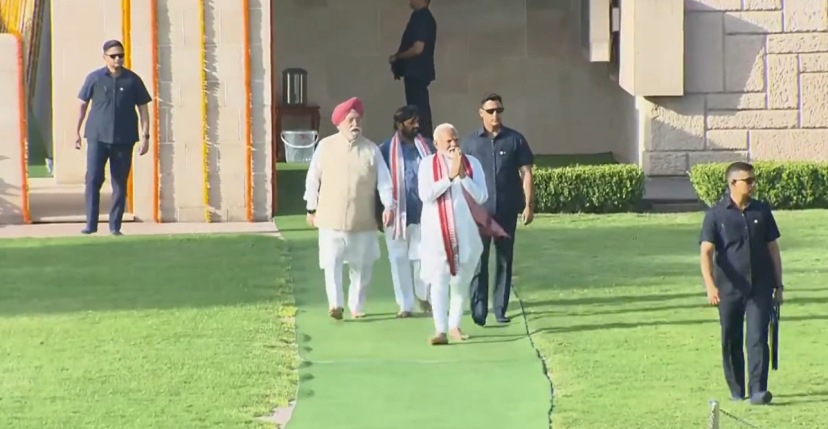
(112,115)
(743,261)
(421,27)
(501,158)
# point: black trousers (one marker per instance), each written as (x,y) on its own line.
(733,310)
(504,253)
(416,94)
(120,164)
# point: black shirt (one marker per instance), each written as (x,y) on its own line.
(743,261)
(501,158)
(421,28)
(112,115)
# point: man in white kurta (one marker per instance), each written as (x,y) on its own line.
(344,173)
(451,246)
(403,153)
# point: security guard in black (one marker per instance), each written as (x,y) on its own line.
(738,238)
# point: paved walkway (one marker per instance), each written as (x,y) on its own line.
(54,230)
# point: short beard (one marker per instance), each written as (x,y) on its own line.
(410,135)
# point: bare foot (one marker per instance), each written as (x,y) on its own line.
(439,340)
(457,334)
(335,313)
(403,315)
(425,306)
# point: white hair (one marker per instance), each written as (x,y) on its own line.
(444,127)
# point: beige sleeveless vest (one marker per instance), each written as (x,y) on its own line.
(348,184)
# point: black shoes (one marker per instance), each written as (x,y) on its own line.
(761,398)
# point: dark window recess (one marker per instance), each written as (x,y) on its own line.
(613,66)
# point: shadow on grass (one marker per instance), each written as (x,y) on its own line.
(135,273)
(632,325)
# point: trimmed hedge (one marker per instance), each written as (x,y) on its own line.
(588,188)
(783,185)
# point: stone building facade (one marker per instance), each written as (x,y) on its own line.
(756,87)
(77,35)
(752,87)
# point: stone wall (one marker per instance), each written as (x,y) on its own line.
(11,171)
(756,73)
(526,50)
(78,35)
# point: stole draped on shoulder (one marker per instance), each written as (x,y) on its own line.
(486,224)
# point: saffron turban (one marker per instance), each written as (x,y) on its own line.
(342,110)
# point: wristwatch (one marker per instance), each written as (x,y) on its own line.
(310,212)
(146,136)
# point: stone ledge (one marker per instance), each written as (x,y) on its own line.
(736,101)
(727,140)
(762,4)
(789,145)
(797,43)
(761,22)
(752,119)
(814,108)
(813,63)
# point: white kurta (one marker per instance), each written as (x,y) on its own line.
(353,248)
(434,260)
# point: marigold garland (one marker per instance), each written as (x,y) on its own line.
(205,148)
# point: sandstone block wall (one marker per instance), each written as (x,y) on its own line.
(526,50)
(77,52)
(756,75)
(11,174)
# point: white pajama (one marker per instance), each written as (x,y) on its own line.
(404,258)
(448,297)
(357,249)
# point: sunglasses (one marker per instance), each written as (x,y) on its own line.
(492,111)
(749,180)
(115,56)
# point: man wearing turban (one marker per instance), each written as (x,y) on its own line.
(345,172)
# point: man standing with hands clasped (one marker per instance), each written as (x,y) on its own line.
(111,131)
(450,184)
(739,238)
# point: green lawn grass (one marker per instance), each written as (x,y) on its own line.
(141,333)
(616,306)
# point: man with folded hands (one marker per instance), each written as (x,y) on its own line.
(450,184)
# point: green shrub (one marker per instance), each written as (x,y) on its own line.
(588,188)
(783,185)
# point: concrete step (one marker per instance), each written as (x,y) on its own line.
(53,203)
(674,206)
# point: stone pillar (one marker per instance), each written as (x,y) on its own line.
(79,29)
(180,96)
(179,49)
(12,182)
(141,44)
(226,108)
(261,56)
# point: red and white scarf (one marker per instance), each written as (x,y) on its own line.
(398,179)
(445,208)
